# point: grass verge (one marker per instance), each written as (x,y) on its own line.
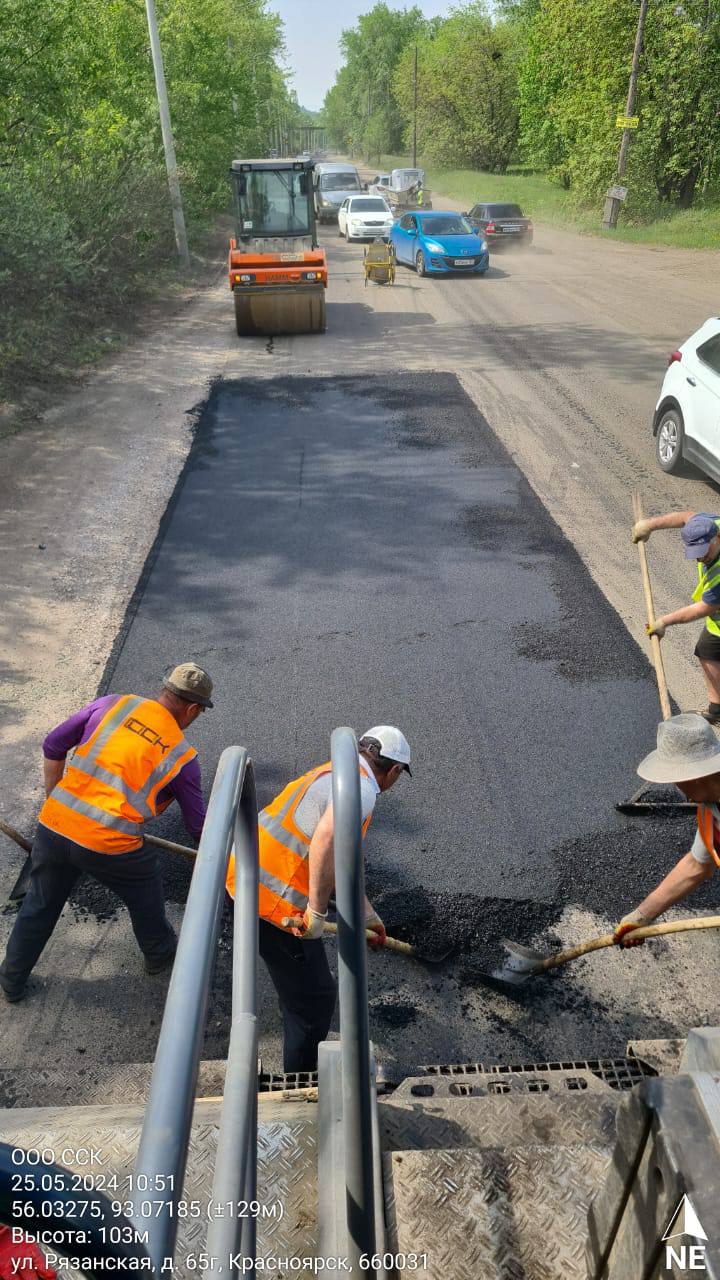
(697,228)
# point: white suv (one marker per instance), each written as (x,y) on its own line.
(687,415)
(364,218)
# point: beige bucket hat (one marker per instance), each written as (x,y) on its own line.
(190,682)
(686,749)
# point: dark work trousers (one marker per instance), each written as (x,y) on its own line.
(57,863)
(306,990)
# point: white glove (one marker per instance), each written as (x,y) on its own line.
(310,925)
(641,531)
(375,924)
(633,920)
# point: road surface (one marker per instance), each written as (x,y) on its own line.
(410,431)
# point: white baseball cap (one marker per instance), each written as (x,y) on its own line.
(390,742)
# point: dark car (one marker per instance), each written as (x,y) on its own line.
(501,224)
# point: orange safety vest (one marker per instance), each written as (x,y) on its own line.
(706,827)
(111,785)
(283,852)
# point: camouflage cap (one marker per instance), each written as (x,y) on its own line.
(190,682)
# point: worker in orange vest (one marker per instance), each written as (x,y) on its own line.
(297,877)
(131,761)
(688,755)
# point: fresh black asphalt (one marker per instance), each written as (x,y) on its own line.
(348,551)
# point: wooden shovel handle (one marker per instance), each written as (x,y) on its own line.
(12,834)
(184,850)
(646,931)
(391,944)
(650,610)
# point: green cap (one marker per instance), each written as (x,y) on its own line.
(190,682)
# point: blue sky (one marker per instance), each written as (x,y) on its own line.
(312,31)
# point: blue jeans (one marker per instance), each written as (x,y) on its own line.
(57,864)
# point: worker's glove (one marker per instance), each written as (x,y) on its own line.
(657,629)
(641,531)
(22,1259)
(375,924)
(310,925)
(634,920)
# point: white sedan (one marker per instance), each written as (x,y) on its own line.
(687,415)
(364,218)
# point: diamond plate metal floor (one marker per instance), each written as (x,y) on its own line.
(517,1214)
(541,1119)
(496,1188)
(287,1165)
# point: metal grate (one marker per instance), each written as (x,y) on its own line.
(618,1073)
(279,1081)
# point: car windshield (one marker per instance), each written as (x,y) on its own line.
(273,202)
(448,224)
(339,182)
(368,205)
(504,211)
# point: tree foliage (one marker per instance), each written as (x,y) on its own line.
(467,91)
(360,111)
(83,192)
(573,84)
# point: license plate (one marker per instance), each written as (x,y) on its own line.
(512,228)
(462,262)
(292,257)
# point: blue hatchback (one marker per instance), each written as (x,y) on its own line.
(439,243)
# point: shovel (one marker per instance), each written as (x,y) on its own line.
(640,802)
(390,944)
(20,887)
(523,963)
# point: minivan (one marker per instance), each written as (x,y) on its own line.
(333,183)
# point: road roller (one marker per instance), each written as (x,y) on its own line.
(276,270)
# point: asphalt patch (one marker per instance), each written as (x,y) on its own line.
(339,549)
(471,927)
(393,1014)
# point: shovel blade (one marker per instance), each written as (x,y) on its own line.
(521,963)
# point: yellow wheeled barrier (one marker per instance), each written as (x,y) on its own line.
(379,262)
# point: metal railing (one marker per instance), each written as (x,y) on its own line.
(352,983)
(162,1154)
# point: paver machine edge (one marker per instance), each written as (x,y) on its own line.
(276,270)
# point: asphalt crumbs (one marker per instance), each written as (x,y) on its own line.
(348,551)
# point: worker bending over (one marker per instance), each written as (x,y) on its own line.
(131,761)
(688,754)
(297,877)
(701,536)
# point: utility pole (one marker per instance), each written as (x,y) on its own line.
(414,163)
(170,161)
(614,202)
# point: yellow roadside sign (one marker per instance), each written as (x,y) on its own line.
(627,122)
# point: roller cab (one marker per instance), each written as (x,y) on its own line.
(276,270)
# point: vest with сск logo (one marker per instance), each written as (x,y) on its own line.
(111,785)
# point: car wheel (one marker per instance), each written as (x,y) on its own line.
(339,231)
(347,236)
(420,263)
(669,439)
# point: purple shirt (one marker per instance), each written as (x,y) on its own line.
(185,786)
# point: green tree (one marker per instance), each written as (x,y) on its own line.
(83,192)
(360,109)
(467,91)
(573,83)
